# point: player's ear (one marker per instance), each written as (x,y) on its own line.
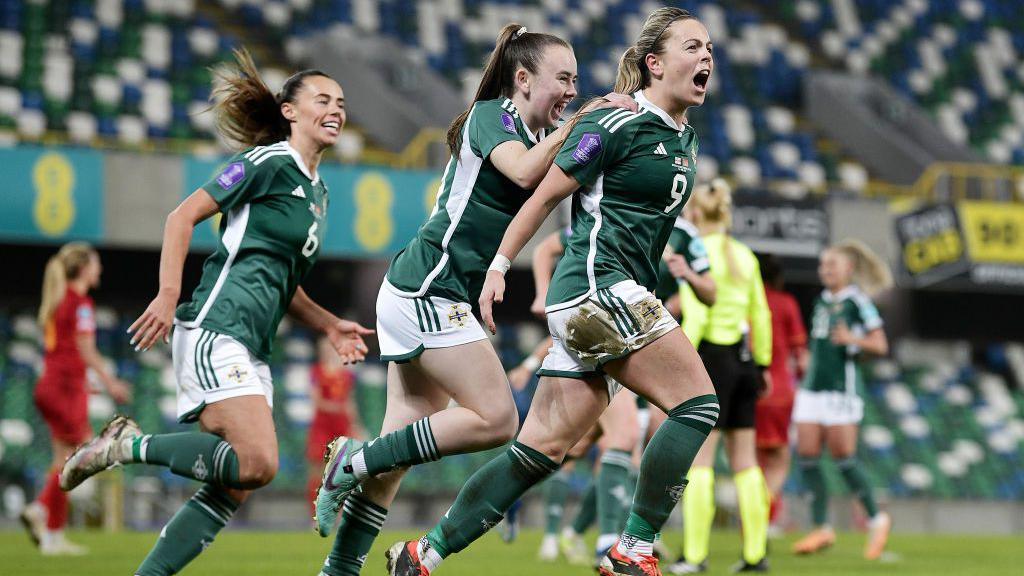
(654,64)
(288,111)
(522,81)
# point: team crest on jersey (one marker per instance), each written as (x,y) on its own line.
(508,123)
(231,175)
(589,145)
(458,315)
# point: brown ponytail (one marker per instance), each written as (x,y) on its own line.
(65,265)
(246,112)
(870,272)
(515,48)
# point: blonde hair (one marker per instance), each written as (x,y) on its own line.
(713,203)
(65,265)
(870,272)
(633,73)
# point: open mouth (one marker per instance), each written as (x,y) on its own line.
(559,108)
(700,80)
(332,126)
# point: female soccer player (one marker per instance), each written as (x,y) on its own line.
(774,410)
(601,313)
(274,207)
(718,333)
(334,409)
(69,331)
(437,350)
(828,407)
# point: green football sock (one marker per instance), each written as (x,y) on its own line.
(189,532)
(587,513)
(752,493)
(612,495)
(198,455)
(810,469)
(663,468)
(409,446)
(486,495)
(698,513)
(554,503)
(858,483)
(361,521)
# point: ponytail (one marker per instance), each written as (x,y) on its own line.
(514,48)
(870,272)
(713,203)
(630,77)
(246,112)
(65,265)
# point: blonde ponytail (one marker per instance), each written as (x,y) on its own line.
(713,203)
(630,77)
(65,265)
(870,272)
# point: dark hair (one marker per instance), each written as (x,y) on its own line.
(246,111)
(771,271)
(515,48)
(633,73)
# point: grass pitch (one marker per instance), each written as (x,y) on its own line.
(290,553)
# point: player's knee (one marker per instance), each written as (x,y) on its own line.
(259,469)
(506,425)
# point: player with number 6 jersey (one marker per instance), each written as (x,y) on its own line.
(273,209)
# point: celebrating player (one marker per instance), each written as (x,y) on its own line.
(632,182)
(500,149)
(274,207)
(775,409)
(829,407)
(718,333)
(69,330)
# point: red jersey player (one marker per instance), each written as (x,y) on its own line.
(61,396)
(774,411)
(335,410)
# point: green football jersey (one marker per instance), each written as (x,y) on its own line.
(636,171)
(685,240)
(274,216)
(832,367)
(476,202)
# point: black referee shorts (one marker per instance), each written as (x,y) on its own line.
(736,380)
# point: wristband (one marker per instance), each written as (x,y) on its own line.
(500,264)
(531,363)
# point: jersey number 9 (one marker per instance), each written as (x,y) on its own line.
(678,189)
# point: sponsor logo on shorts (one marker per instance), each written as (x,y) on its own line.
(458,315)
(589,145)
(508,123)
(231,175)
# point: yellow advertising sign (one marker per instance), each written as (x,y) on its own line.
(994,231)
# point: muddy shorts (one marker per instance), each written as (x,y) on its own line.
(608,325)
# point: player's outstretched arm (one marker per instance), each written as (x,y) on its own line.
(155,323)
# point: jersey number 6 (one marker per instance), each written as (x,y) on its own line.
(311,241)
(678,189)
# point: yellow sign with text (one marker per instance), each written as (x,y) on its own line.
(994,231)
